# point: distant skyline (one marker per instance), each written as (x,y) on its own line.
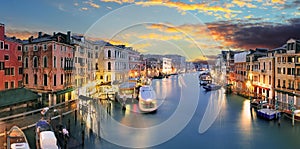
(197,30)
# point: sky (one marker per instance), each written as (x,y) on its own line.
(195,29)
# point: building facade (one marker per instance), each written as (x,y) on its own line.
(11,70)
(287,72)
(48,67)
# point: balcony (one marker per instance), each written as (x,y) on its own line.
(263,71)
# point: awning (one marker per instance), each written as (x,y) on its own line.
(64,91)
(16,96)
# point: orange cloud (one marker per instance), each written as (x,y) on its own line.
(243,4)
(24,35)
(92,4)
(118,1)
(201,7)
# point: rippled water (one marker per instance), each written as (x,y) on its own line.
(218,121)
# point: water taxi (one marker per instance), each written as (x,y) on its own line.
(147,99)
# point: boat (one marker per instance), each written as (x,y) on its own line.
(257,103)
(205,79)
(267,113)
(45,137)
(289,114)
(16,139)
(147,99)
(211,87)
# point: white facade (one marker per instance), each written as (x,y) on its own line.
(166,65)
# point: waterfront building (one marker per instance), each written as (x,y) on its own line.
(287,72)
(48,67)
(178,63)
(136,66)
(11,70)
(166,65)
(113,63)
(240,75)
(255,79)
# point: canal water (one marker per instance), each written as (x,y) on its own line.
(187,117)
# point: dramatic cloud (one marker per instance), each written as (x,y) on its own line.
(250,35)
(182,7)
(243,4)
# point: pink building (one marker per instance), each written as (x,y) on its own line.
(11,71)
(48,67)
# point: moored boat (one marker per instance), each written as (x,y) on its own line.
(45,137)
(211,87)
(147,99)
(267,113)
(16,139)
(289,114)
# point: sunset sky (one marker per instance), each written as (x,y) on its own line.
(195,29)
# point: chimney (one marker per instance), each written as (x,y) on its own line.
(54,33)
(40,34)
(30,39)
(69,37)
(2,31)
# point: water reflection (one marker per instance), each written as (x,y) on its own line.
(245,123)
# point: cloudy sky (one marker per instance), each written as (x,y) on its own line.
(195,29)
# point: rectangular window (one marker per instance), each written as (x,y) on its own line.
(6,85)
(7,71)
(278,83)
(26,48)
(270,66)
(6,46)
(45,46)
(12,84)
(279,70)
(20,70)
(6,57)
(54,80)
(61,79)
(283,70)
(19,83)
(35,48)
(19,58)
(26,78)
(54,46)
(270,81)
(19,48)
(283,84)
(12,71)
(2,66)
(1,45)
(45,80)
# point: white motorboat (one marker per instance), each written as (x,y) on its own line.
(147,99)
(45,137)
(16,139)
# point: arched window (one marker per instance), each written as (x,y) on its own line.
(96,66)
(45,61)
(35,62)
(109,54)
(26,78)
(26,62)
(109,66)
(35,79)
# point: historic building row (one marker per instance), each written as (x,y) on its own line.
(268,74)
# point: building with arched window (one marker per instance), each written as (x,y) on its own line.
(49,64)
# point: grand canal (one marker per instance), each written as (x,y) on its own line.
(188,117)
